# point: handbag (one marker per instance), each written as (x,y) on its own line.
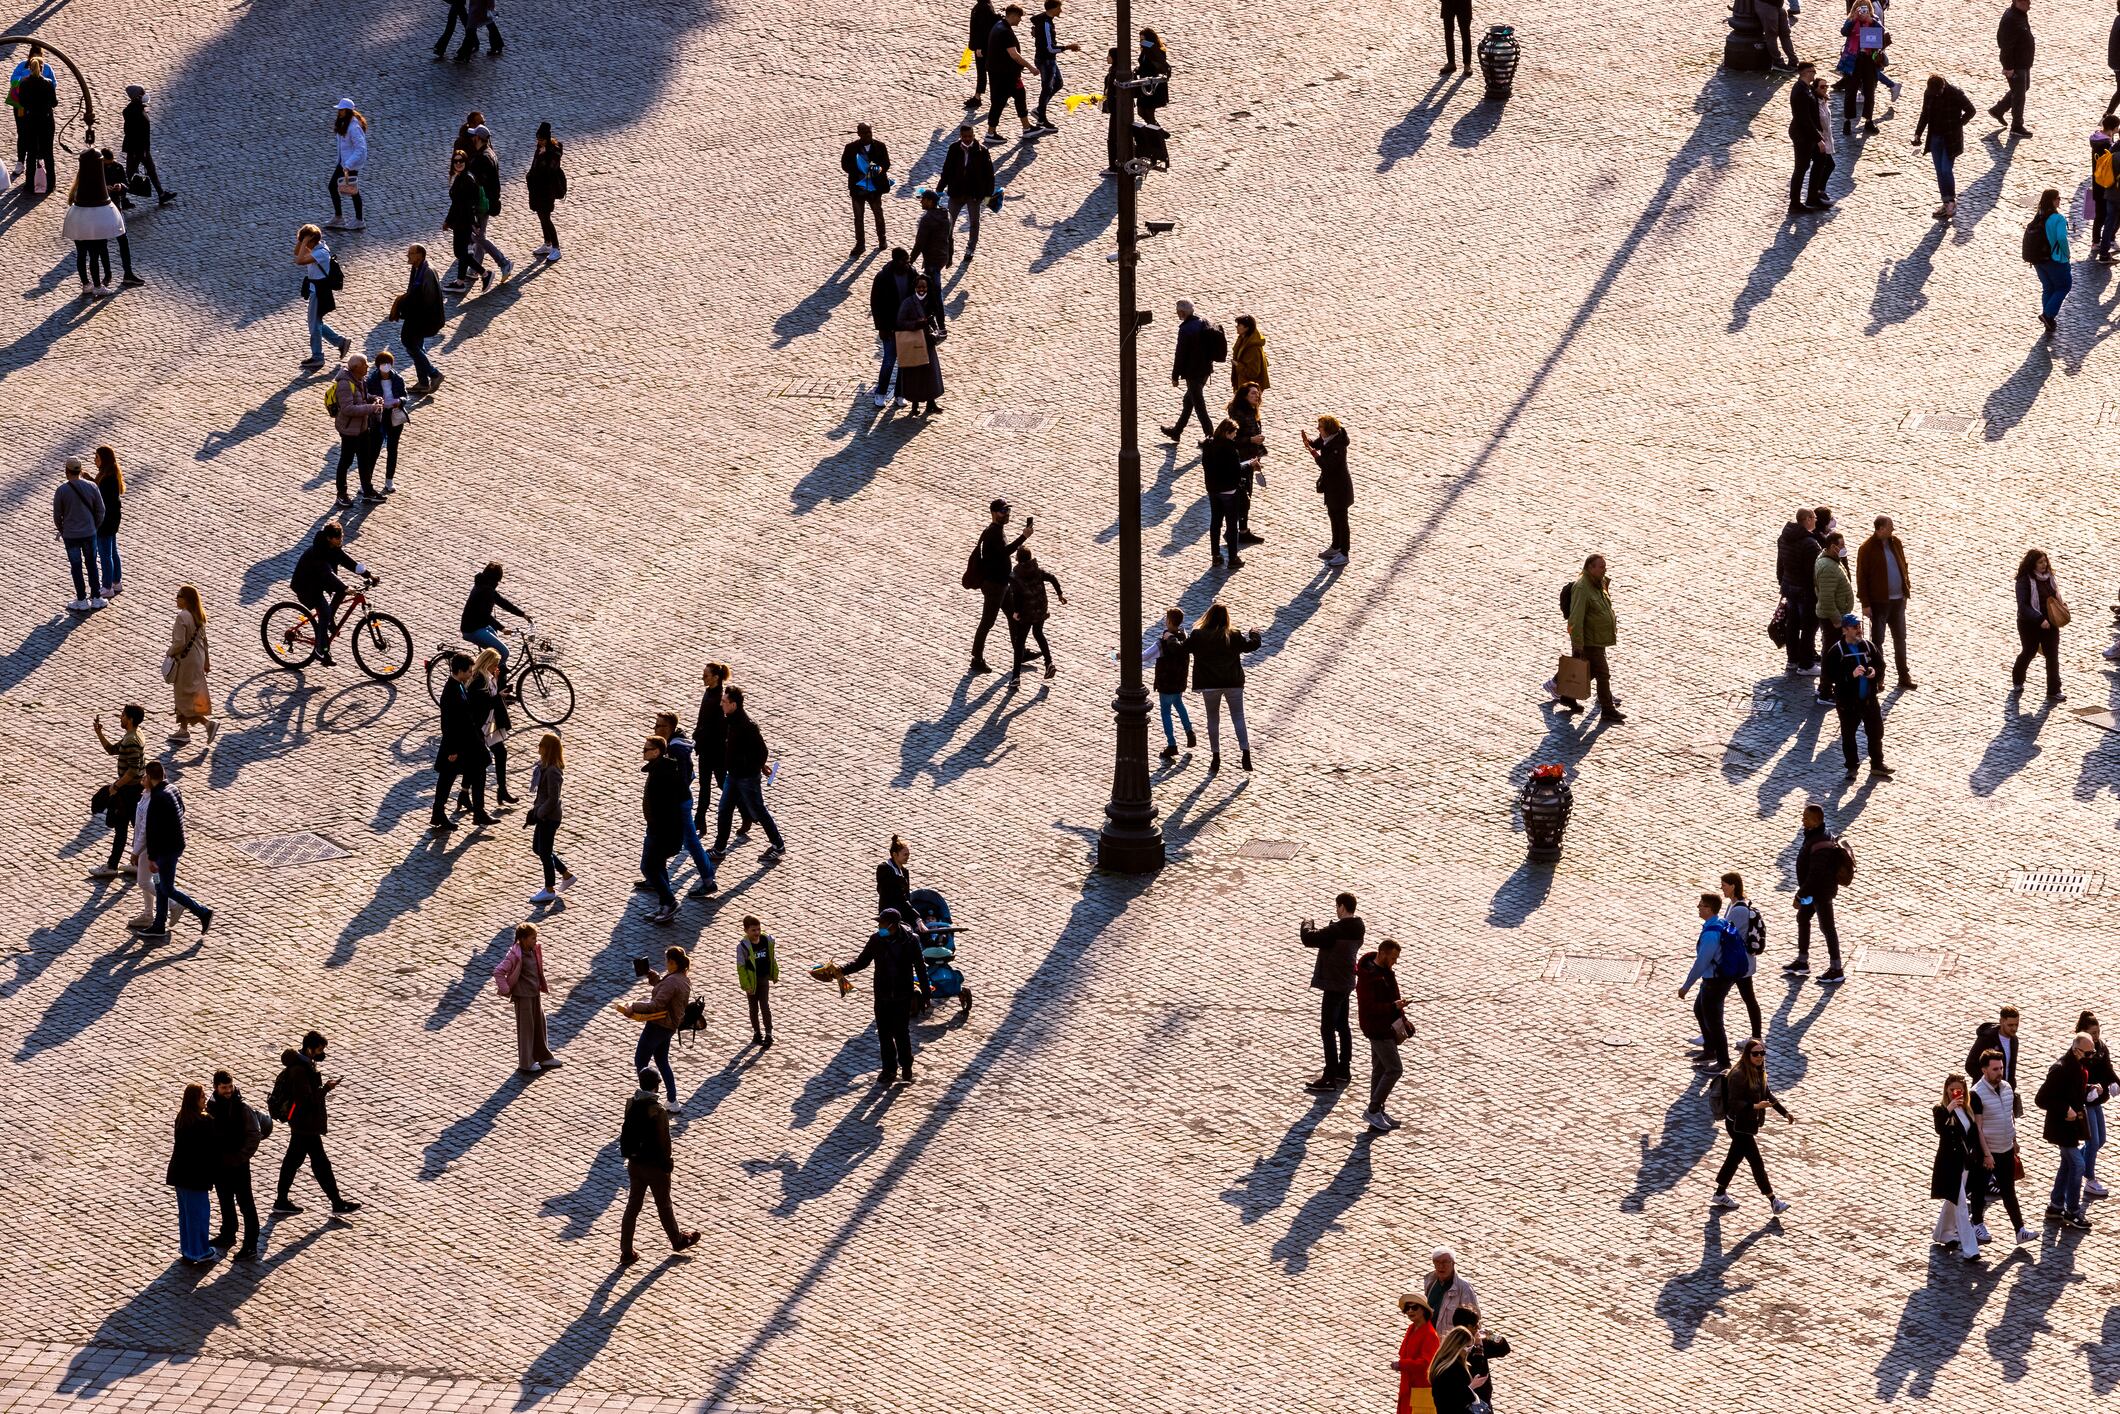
(398,415)
(99,803)
(1401,1029)
(1572,677)
(350,184)
(2056,611)
(912,348)
(171,660)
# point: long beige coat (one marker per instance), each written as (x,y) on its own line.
(187,644)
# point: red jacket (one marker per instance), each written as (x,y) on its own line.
(1376,997)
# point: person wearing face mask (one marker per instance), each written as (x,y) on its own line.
(299,1101)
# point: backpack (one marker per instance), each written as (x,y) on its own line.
(2036,245)
(1845,871)
(974,576)
(279,1104)
(1719,1097)
(1567,597)
(1755,932)
(331,392)
(695,1017)
(1778,626)
(1216,343)
(257,1129)
(1734,960)
(2101,167)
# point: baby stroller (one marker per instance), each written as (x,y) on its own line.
(944,977)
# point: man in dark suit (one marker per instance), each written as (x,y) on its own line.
(1807,135)
(886,292)
(2017,48)
(461,752)
(968,178)
(1192,364)
(867,164)
(895,951)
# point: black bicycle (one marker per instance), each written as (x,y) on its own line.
(536,685)
(381,646)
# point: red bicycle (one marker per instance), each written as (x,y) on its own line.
(381,646)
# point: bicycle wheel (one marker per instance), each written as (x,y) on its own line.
(289,635)
(437,674)
(382,647)
(546,695)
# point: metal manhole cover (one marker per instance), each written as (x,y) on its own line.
(2100,717)
(1269,849)
(1957,424)
(2055,883)
(820,388)
(1574,967)
(1893,962)
(301,847)
(1017,421)
(1759,701)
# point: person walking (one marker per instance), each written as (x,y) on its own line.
(659,1016)
(988,571)
(2104,1086)
(320,278)
(546,183)
(1192,363)
(2046,249)
(896,953)
(1999,1036)
(888,292)
(136,142)
(1819,858)
(185,669)
(680,750)
(1028,609)
(2016,49)
(1712,972)
(544,817)
(350,128)
(2112,62)
(163,842)
(1593,627)
(757,971)
(1745,921)
(1796,572)
(978,28)
(1046,50)
(77,516)
(1217,654)
(663,801)
(710,746)
(1853,666)
(300,1099)
(933,246)
(1244,410)
(1457,13)
(92,222)
(2061,1095)
(388,425)
(110,485)
(1338,945)
(2041,612)
(644,1143)
(460,752)
(968,177)
(867,164)
(1883,586)
(1940,132)
(1381,1013)
(489,706)
(478,14)
(1416,1350)
(125,791)
(421,312)
(919,382)
(143,864)
(483,163)
(1222,470)
(1005,68)
(1455,1388)
(1957,1177)
(194,1161)
(744,789)
(1329,451)
(353,410)
(1746,1099)
(1995,1106)
(236,1136)
(2105,189)
(1812,138)
(1169,657)
(520,978)
(1774,32)
(461,220)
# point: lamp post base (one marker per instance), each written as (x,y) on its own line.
(1130,843)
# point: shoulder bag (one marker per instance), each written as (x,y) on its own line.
(2057,611)
(171,661)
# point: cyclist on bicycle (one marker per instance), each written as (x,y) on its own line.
(319,590)
(478,623)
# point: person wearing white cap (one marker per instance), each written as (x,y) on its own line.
(352,129)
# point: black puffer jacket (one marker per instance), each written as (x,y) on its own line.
(1218,660)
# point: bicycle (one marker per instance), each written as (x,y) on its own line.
(536,685)
(381,645)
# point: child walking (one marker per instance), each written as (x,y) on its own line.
(757,969)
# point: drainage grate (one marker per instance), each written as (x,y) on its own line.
(1574,967)
(1957,424)
(833,388)
(1269,849)
(2055,883)
(301,847)
(1892,962)
(1762,701)
(2100,717)
(1018,421)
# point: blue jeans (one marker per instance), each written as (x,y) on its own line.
(655,1045)
(1048,84)
(491,638)
(2068,1182)
(319,331)
(81,559)
(2105,207)
(1174,701)
(1946,173)
(701,860)
(416,350)
(2055,279)
(2094,1115)
(748,792)
(166,890)
(194,1218)
(107,558)
(655,868)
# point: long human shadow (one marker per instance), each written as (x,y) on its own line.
(282,720)
(600,1187)
(1157,497)
(816,308)
(35,650)
(1264,1187)
(71,314)
(838,1078)
(2104,1355)
(1775,716)
(872,439)
(93,995)
(1689,1298)
(1409,135)
(173,1316)
(586,1335)
(2012,748)
(856,1138)
(917,748)
(1903,284)
(46,945)
(2031,1300)
(1981,195)
(1936,1322)
(474,317)
(1322,1211)
(261,419)
(2013,399)
(273,571)
(1787,1061)
(465,1134)
(1688,1135)
(1099,208)
(989,741)
(1299,609)
(2086,319)
(1773,266)
(457,997)
(2100,771)
(1036,1015)
(405,889)
(1798,765)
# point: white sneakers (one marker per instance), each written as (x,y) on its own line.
(1780,1205)
(1980,1232)
(2094,1188)
(84,606)
(544,896)
(2025,1234)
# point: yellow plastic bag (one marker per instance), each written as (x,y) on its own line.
(965,62)
(1076,100)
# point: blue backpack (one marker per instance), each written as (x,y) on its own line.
(1734,959)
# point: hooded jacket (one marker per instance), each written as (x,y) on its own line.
(1796,561)
(1376,997)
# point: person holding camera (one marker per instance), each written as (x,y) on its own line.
(660,1013)
(1338,943)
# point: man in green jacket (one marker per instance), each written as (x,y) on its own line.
(1592,628)
(1835,593)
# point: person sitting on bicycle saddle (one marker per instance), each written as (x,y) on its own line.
(320,590)
(478,624)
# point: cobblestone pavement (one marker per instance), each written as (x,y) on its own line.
(1573,324)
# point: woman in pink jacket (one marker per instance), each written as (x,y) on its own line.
(521,979)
